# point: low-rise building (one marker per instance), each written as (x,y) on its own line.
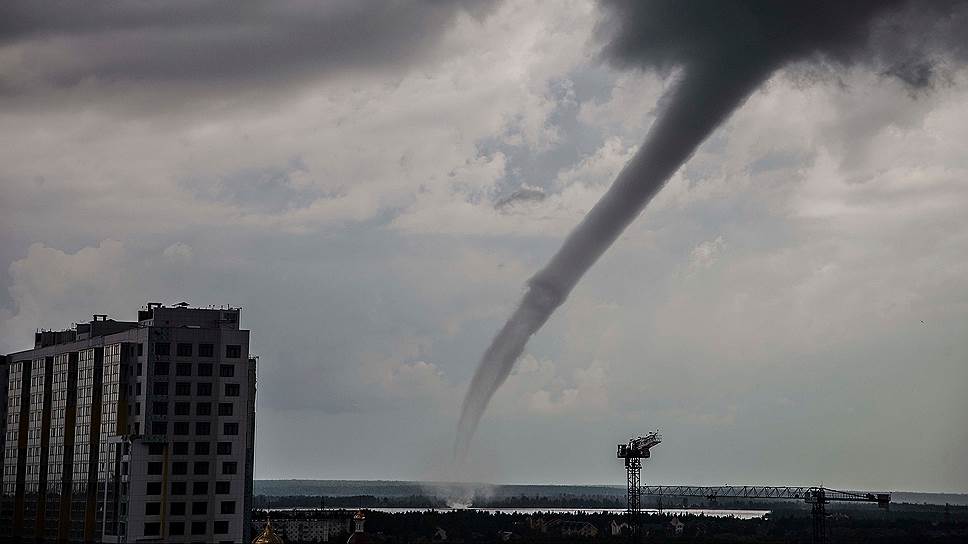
(571,528)
(308,526)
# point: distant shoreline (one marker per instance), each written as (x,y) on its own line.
(399,489)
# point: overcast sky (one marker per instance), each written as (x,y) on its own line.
(374,183)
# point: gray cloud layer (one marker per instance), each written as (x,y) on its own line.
(766,312)
(214,44)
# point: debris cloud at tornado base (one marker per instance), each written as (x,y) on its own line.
(720,51)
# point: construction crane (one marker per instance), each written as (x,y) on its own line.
(633,452)
(817,497)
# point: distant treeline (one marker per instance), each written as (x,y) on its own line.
(427,501)
(379,488)
(483,527)
(421,501)
(356,501)
(520,501)
(403,489)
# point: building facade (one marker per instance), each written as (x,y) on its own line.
(131,431)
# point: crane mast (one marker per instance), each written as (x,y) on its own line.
(633,452)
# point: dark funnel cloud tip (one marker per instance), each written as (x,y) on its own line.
(720,51)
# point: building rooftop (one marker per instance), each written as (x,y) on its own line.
(158,315)
(153,314)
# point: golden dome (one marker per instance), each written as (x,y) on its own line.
(267,536)
(358,536)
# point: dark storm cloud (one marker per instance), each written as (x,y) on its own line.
(724,51)
(61,44)
(521,195)
(907,38)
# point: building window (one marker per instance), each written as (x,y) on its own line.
(203,409)
(221,527)
(225,408)
(159,427)
(229,467)
(230,429)
(183,388)
(176,528)
(233,351)
(232,390)
(202,448)
(227,507)
(180,428)
(198,527)
(224,448)
(160,388)
(199,508)
(203,428)
(141,350)
(156,449)
(204,369)
(183,369)
(177,508)
(152,508)
(199,488)
(153,488)
(152,528)
(179,468)
(183,408)
(206,350)
(205,390)
(183,350)
(154,468)
(161,369)
(163,349)
(201,467)
(141,369)
(179,488)
(159,409)
(179,448)
(223,488)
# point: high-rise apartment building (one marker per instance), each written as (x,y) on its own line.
(130,431)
